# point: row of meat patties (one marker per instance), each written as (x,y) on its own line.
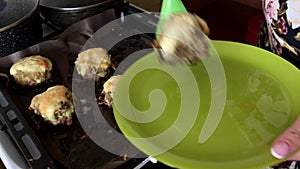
(55,104)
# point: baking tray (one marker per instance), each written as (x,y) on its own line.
(63,146)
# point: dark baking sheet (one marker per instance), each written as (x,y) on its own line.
(70,146)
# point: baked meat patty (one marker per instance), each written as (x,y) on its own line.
(32,70)
(55,105)
(109,88)
(183,39)
(93,63)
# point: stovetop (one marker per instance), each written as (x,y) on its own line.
(51,32)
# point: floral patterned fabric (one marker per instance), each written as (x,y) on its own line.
(280,34)
(286,165)
(281,31)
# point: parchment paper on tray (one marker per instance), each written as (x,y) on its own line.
(70,146)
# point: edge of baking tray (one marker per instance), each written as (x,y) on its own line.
(25,147)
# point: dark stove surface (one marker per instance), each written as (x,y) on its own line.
(51,32)
(69,4)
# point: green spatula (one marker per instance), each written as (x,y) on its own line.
(169,7)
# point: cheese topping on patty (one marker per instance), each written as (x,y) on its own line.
(109,88)
(93,63)
(31,70)
(54,105)
(183,38)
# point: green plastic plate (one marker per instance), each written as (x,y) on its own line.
(220,113)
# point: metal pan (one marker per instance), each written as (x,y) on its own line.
(20,25)
(65,13)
